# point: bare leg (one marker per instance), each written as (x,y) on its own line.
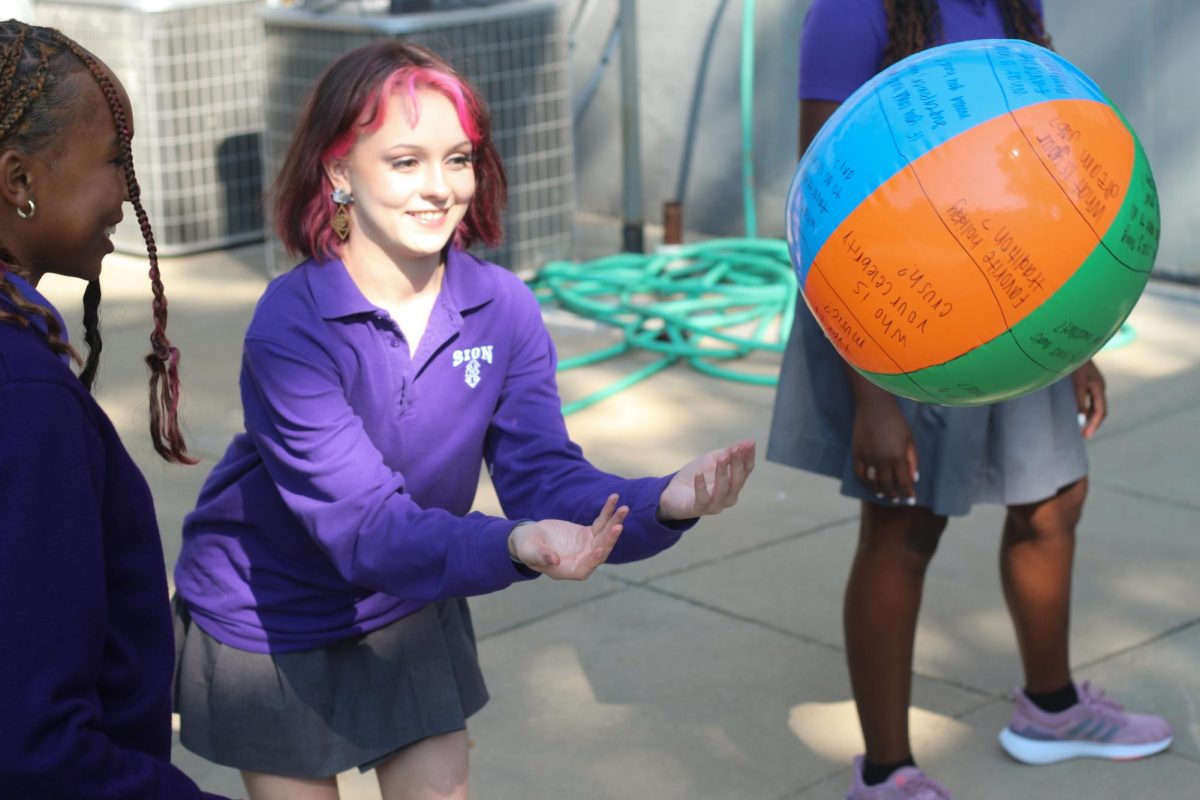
(883,596)
(1036,554)
(431,769)
(277,787)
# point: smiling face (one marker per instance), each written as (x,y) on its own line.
(78,184)
(411,182)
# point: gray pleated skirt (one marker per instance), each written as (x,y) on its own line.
(1011,453)
(315,713)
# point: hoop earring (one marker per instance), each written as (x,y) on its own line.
(341,218)
(27,214)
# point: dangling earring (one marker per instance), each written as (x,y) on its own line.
(341,218)
(27,214)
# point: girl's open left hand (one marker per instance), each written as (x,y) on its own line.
(708,484)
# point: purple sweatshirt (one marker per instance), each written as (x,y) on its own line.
(843,40)
(85,629)
(346,503)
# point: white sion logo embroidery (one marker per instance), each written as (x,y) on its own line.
(471,357)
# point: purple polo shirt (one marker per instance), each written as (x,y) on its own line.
(346,503)
(843,40)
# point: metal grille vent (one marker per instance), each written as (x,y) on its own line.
(193,71)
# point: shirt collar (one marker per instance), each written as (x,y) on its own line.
(466,285)
(334,291)
(32,295)
(470,285)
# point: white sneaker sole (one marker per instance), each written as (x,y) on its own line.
(1037,751)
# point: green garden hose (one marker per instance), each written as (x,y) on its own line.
(746,92)
(707,303)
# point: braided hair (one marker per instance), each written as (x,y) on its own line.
(913,25)
(35,104)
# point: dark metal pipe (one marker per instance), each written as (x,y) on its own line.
(631,143)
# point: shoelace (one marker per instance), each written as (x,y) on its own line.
(921,787)
(1097,699)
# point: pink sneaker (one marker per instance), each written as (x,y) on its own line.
(906,783)
(1095,727)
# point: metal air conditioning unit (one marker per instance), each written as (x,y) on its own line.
(193,71)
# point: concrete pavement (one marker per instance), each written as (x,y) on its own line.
(716,670)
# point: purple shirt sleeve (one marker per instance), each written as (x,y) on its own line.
(538,472)
(840,48)
(334,479)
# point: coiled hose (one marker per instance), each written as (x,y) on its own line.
(708,303)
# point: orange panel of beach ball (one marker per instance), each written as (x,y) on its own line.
(973,223)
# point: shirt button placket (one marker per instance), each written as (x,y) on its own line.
(401,363)
(403,359)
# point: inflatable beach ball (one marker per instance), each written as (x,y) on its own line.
(973,223)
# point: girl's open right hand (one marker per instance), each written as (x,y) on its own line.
(564,550)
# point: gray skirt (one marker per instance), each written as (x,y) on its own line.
(315,713)
(1011,453)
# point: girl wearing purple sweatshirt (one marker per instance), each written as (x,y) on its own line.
(85,626)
